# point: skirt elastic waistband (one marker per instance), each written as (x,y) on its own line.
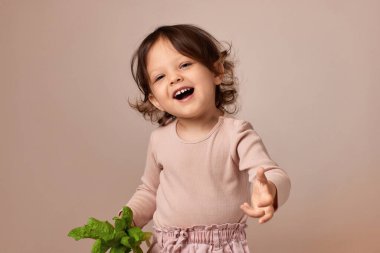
(209,234)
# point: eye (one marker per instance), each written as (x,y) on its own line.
(186,64)
(158,78)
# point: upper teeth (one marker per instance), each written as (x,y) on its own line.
(181,91)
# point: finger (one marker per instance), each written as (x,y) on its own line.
(268,215)
(252,212)
(260,176)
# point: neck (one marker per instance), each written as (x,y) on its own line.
(195,127)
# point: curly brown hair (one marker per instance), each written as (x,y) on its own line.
(197,44)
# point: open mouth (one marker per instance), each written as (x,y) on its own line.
(183,93)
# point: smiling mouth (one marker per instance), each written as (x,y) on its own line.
(184,93)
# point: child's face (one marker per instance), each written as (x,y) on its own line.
(180,85)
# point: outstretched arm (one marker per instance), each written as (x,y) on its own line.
(270,190)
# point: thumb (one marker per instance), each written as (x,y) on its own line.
(260,176)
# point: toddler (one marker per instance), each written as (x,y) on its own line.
(206,171)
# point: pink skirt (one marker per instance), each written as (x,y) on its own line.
(228,238)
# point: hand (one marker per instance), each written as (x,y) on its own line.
(263,198)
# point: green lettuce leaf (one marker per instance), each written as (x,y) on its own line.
(120,238)
(99,247)
(94,229)
(118,249)
(127,215)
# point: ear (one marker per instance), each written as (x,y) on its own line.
(155,102)
(219,78)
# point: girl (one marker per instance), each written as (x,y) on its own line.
(206,171)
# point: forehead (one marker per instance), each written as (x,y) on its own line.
(162,53)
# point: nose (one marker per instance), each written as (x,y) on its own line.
(176,79)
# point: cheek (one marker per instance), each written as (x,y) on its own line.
(158,91)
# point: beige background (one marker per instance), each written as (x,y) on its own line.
(72,148)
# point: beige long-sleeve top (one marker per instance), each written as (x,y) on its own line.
(203,182)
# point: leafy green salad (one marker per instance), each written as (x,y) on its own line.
(123,237)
